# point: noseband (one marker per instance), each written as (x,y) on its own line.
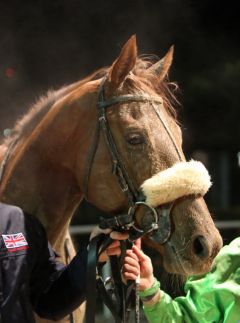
(155,220)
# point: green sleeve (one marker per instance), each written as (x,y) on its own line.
(210,298)
(165,311)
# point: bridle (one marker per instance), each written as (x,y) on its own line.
(155,220)
(119,169)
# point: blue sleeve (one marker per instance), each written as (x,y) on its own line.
(67,290)
(56,290)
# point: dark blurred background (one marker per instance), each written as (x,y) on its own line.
(46,44)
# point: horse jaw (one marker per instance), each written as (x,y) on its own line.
(190,250)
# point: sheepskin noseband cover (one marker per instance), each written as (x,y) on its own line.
(182,179)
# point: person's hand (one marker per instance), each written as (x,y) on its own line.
(114,248)
(97,231)
(137,264)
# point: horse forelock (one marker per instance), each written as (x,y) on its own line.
(143,76)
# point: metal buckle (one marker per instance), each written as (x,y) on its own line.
(102,118)
(124,188)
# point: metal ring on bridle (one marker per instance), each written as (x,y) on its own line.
(132,211)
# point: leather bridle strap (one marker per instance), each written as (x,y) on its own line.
(93,249)
(128,98)
(115,304)
(168,132)
(119,169)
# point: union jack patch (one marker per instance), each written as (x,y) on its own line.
(15,242)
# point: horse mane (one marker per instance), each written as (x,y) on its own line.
(140,77)
(27,123)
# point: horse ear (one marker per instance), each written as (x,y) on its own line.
(124,63)
(162,67)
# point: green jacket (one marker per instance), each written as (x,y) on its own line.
(210,298)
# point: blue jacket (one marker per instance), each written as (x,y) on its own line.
(31,278)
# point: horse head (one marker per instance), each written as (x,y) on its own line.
(144,134)
(102,138)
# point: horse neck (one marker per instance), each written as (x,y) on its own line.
(2,154)
(40,177)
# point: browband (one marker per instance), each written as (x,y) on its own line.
(128,98)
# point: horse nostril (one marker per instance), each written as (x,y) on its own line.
(200,247)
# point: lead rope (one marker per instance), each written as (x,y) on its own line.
(68,260)
(137,300)
(131,291)
(120,305)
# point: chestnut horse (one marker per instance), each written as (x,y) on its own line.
(53,158)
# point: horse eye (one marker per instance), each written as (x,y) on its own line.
(135,139)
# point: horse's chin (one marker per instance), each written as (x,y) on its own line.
(175,264)
(184,270)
